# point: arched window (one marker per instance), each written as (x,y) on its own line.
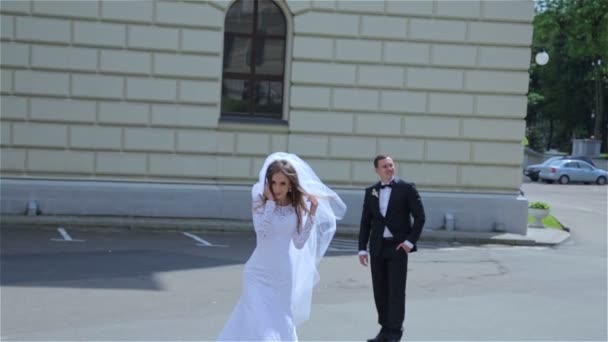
(254,60)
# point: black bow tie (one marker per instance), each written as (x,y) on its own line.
(389,185)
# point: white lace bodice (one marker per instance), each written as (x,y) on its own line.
(272,222)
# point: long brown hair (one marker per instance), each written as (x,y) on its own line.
(296,195)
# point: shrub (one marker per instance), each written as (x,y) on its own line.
(535,139)
(538,205)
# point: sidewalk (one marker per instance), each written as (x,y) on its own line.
(535,236)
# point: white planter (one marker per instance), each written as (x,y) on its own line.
(539,215)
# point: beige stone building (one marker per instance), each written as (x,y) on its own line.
(168,108)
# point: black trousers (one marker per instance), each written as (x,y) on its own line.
(389,275)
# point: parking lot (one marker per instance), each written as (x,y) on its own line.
(70,284)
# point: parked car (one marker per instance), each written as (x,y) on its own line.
(583,158)
(533,170)
(572,170)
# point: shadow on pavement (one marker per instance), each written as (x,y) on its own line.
(108,260)
(127,260)
(132,269)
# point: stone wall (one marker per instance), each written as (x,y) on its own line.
(129,91)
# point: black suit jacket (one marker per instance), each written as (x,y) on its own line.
(404,203)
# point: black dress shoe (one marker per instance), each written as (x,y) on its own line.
(381,337)
(392,338)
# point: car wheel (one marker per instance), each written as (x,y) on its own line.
(564,179)
(534,178)
(601,180)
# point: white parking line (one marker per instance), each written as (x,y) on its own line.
(66,236)
(203,242)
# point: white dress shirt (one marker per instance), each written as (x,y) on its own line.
(385,195)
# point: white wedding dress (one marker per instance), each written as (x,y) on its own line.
(265,311)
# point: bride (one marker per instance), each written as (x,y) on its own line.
(294,217)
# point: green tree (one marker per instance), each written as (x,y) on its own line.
(565,92)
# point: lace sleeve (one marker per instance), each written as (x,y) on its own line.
(262,213)
(299,239)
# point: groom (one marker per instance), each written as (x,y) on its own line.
(386,225)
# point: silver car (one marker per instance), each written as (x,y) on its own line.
(570,170)
(533,170)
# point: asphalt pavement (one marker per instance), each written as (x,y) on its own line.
(69,284)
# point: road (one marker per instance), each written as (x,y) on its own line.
(167,286)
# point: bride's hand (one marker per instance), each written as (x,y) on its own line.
(313,205)
(267,193)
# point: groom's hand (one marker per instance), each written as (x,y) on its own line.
(404,247)
(363,259)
